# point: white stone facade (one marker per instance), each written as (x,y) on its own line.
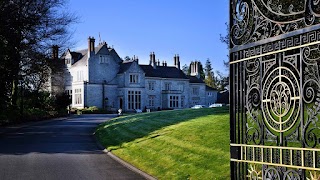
(98,77)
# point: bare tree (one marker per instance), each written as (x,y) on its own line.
(226,40)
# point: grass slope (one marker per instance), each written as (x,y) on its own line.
(181,144)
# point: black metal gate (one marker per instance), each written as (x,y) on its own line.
(275,89)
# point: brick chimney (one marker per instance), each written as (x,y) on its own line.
(91,41)
(55,52)
(164,63)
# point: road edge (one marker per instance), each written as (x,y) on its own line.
(121,161)
(15,128)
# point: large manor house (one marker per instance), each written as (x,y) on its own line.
(97,76)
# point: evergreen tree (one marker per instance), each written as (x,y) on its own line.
(185,69)
(202,74)
(209,75)
(127,58)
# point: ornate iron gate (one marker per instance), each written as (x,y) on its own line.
(275,89)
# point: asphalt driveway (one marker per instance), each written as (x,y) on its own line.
(60,149)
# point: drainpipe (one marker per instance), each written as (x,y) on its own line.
(103,98)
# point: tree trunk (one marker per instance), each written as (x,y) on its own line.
(14,92)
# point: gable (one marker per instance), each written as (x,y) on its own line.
(103,50)
(68,54)
(115,55)
(134,68)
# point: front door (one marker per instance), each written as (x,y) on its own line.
(121,103)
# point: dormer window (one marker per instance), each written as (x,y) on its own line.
(68,61)
(167,86)
(134,78)
(104,59)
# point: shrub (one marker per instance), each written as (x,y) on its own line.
(92,108)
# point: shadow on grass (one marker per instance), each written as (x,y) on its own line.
(114,133)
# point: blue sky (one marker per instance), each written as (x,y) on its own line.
(167,27)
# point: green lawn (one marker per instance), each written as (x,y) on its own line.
(180,144)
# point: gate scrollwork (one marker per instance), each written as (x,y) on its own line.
(275,89)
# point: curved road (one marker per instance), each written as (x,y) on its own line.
(59,149)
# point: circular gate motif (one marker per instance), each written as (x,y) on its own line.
(280,99)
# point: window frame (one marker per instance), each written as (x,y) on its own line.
(167,86)
(173,101)
(151,85)
(77,96)
(151,101)
(134,78)
(134,100)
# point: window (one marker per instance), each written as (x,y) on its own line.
(209,93)
(103,59)
(151,101)
(69,92)
(67,61)
(195,91)
(77,96)
(151,85)
(134,78)
(79,75)
(134,100)
(174,102)
(167,86)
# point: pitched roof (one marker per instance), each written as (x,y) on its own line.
(81,56)
(160,71)
(124,67)
(83,59)
(194,79)
(223,97)
(163,72)
(208,88)
(76,55)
